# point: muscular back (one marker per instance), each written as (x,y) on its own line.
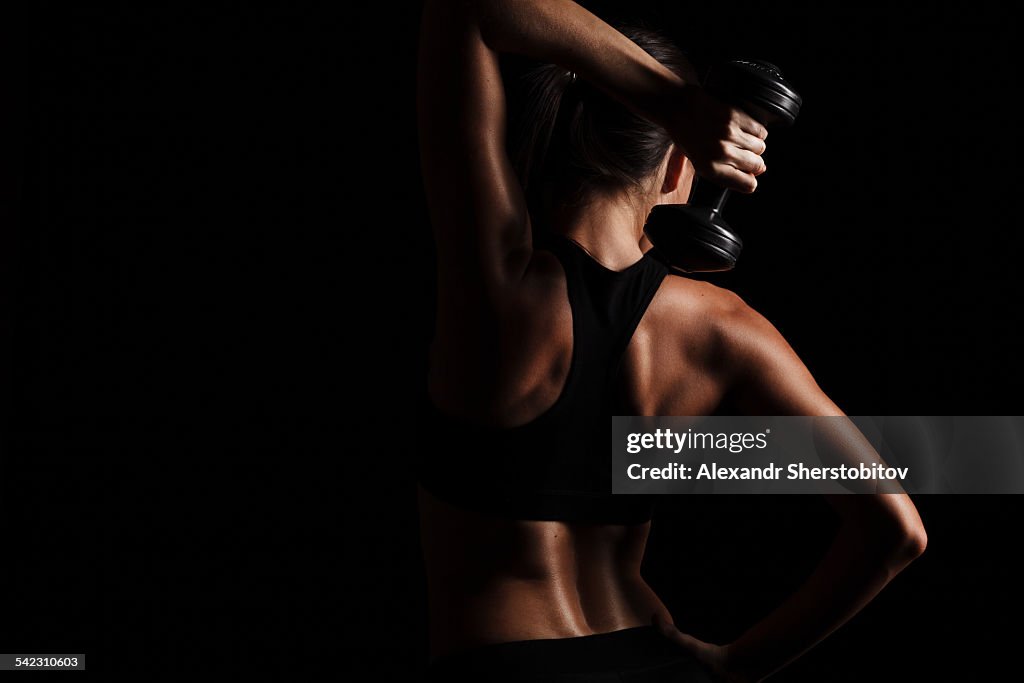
(494,580)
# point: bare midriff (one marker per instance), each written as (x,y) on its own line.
(493,580)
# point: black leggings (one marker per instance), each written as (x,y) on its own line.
(633,655)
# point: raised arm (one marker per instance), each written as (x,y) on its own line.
(476,204)
(879,534)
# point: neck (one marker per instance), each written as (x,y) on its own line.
(609,227)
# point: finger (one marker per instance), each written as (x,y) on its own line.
(732,178)
(749,142)
(747,161)
(667,628)
(676,636)
(660,621)
(725,170)
(749,125)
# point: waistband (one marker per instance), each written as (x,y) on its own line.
(631,649)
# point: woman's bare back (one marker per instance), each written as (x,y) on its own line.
(497,580)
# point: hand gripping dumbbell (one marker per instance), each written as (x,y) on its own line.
(694,237)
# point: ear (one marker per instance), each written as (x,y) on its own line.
(673,170)
(679,175)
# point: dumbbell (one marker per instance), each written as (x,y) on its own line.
(693,237)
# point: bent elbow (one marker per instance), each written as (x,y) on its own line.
(888,528)
(915,541)
(907,544)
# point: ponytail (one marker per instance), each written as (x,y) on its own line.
(568,140)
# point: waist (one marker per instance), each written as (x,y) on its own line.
(602,656)
(505,608)
(492,579)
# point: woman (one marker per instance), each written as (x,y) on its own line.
(551,317)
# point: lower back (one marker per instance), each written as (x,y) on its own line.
(494,580)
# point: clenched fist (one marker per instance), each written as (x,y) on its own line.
(723,143)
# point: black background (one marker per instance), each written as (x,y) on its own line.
(216,298)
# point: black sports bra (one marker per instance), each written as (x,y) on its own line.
(558,466)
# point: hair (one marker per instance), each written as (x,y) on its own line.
(568,140)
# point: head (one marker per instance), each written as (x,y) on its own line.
(571,144)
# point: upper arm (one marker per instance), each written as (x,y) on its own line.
(768,378)
(764,373)
(476,205)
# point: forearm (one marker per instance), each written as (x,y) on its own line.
(859,563)
(564,33)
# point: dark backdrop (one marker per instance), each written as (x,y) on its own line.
(216,299)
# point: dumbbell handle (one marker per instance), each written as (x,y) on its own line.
(706,193)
